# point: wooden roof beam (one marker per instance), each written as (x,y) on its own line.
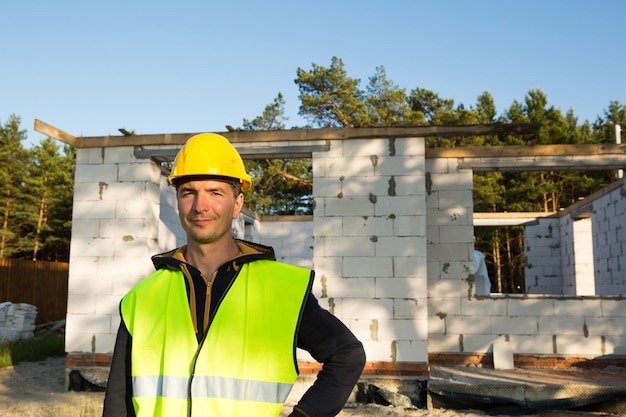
(293,135)
(55,133)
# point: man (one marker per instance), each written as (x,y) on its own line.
(213,332)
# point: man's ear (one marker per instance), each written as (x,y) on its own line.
(238,205)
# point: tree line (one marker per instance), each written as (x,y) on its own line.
(38,182)
(330,98)
(37,188)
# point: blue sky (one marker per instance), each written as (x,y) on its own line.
(90,68)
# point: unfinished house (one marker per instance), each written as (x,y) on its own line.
(390,239)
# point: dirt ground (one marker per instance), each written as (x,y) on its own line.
(36,389)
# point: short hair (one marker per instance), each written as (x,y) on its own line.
(234,182)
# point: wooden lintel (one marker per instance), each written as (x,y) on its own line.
(55,133)
(383,132)
(525,151)
(272,152)
(134,140)
(296,135)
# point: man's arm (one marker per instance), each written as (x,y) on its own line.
(118,396)
(330,342)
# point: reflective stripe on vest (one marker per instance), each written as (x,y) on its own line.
(245,364)
(210,387)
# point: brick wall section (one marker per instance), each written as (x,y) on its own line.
(406,370)
(410,370)
(87,360)
(389,369)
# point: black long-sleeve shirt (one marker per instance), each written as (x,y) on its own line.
(324,336)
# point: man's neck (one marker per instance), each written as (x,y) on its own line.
(207,258)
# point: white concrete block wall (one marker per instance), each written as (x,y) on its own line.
(583,253)
(542,243)
(534,326)
(450,230)
(450,261)
(292,240)
(608,219)
(252,227)
(114,233)
(461,323)
(568,257)
(392,246)
(369,243)
(171,233)
(579,256)
(539,325)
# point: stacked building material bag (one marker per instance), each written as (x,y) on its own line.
(17,321)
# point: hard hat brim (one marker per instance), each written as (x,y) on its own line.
(178,181)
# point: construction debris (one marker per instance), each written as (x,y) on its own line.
(17,321)
(528,391)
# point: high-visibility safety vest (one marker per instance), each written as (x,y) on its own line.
(246,364)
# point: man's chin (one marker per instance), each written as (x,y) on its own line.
(205,239)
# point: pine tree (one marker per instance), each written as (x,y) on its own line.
(280,186)
(329,98)
(14,159)
(52,174)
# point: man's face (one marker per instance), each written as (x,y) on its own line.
(206,209)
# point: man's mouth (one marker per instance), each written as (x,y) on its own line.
(201,221)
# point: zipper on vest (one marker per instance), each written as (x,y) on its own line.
(201,343)
(207,301)
(192,295)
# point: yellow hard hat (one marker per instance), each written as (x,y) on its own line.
(209,154)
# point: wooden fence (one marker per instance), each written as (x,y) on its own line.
(40,283)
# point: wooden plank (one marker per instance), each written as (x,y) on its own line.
(525,151)
(547,163)
(383,132)
(271,152)
(294,134)
(54,133)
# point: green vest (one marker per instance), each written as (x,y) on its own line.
(245,366)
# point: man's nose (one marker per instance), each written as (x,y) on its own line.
(202,203)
